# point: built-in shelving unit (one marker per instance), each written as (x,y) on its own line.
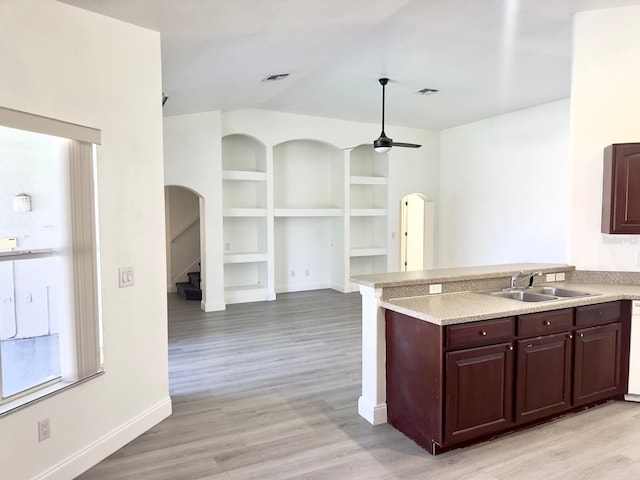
(368,201)
(245,219)
(308,191)
(300,215)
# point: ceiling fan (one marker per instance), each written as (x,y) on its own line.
(383,144)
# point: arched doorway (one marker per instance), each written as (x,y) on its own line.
(182,217)
(416,227)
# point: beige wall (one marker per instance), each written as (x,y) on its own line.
(605,109)
(69,64)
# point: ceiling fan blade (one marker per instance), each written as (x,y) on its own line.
(408,145)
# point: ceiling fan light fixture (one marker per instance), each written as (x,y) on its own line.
(382,149)
(427,91)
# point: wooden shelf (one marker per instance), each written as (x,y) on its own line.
(245,257)
(244,175)
(368,252)
(368,212)
(245,293)
(244,212)
(362,180)
(308,212)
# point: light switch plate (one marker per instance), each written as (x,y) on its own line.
(551,277)
(435,288)
(560,277)
(8,242)
(125,275)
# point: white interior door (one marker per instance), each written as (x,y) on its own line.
(416,239)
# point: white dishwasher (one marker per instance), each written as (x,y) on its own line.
(634,356)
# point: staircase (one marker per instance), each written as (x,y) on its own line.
(190,290)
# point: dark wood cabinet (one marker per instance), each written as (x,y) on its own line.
(453,385)
(543,376)
(597,372)
(621,189)
(479,391)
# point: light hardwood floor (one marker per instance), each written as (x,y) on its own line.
(269,391)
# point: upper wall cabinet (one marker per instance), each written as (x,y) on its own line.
(621,189)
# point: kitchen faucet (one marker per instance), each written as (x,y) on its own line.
(521,274)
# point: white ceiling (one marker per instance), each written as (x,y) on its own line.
(486,57)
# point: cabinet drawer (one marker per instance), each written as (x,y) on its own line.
(481,333)
(597,314)
(545,322)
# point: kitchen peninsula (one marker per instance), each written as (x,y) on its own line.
(447,363)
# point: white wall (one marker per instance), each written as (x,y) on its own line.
(69,64)
(192,159)
(605,104)
(413,171)
(505,189)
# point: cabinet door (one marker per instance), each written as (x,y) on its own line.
(543,376)
(621,189)
(479,392)
(597,363)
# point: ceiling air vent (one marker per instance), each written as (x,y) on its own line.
(426,91)
(277,76)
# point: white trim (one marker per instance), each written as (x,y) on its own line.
(49,126)
(97,451)
(374,414)
(212,306)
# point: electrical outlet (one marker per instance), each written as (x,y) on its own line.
(44,430)
(435,288)
(560,277)
(550,277)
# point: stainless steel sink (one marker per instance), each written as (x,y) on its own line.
(538,294)
(523,295)
(559,292)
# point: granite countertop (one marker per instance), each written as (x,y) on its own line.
(462,307)
(395,279)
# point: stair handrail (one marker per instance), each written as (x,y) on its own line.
(184,228)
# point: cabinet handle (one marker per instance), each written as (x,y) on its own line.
(547,322)
(582,334)
(510,347)
(483,333)
(529,346)
(569,336)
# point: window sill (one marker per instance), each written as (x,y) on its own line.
(41,394)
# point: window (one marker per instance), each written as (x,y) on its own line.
(49,309)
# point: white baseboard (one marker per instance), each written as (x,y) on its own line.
(302,287)
(97,451)
(341,287)
(374,414)
(632,397)
(212,306)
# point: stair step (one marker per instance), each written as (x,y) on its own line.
(187,291)
(194,279)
